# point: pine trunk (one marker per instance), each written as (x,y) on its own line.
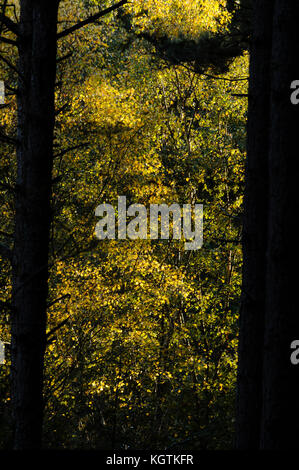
(37,70)
(280,423)
(252,315)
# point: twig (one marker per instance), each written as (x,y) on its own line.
(69,149)
(66,296)
(60,325)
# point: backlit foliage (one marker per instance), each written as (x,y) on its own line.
(178,18)
(146,357)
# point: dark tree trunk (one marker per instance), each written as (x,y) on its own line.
(280,424)
(249,394)
(37,69)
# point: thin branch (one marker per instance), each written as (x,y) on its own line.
(5,252)
(5,234)
(60,325)
(57,179)
(9,64)
(8,140)
(3,13)
(11,25)
(224,241)
(69,149)
(65,57)
(62,109)
(14,91)
(6,305)
(66,296)
(8,41)
(240,95)
(7,187)
(225,79)
(91,19)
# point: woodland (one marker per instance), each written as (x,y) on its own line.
(142,344)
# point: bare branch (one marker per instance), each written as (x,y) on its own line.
(8,140)
(65,57)
(57,179)
(3,13)
(91,19)
(11,25)
(8,41)
(6,305)
(226,79)
(5,234)
(70,149)
(60,325)
(66,296)
(240,95)
(7,187)
(14,91)
(62,109)
(5,252)
(9,64)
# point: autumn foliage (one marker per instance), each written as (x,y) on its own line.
(142,335)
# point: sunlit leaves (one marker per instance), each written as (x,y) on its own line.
(180,18)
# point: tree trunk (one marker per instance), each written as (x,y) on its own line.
(251,336)
(280,426)
(37,70)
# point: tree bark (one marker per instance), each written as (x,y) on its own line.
(252,315)
(280,423)
(37,70)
